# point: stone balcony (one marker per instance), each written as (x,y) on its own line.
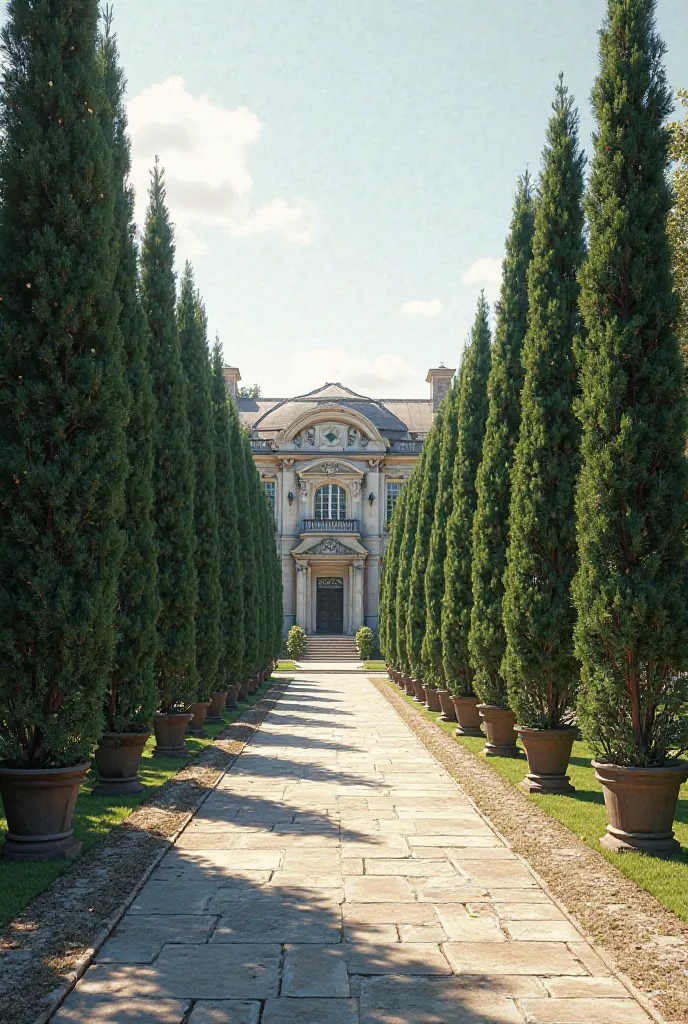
(330,526)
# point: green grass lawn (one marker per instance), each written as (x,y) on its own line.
(583,812)
(95,816)
(285,666)
(374,666)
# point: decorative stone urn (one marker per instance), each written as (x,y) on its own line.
(548,752)
(117,757)
(467,715)
(641,805)
(499,725)
(232,697)
(217,706)
(408,684)
(244,689)
(418,691)
(448,713)
(199,711)
(169,734)
(432,700)
(39,807)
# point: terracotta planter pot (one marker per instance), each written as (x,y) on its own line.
(232,697)
(243,689)
(499,726)
(467,715)
(418,691)
(118,756)
(641,805)
(217,706)
(39,806)
(169,734)
(199,711)
(548,752)
(254,684)
(448,713)
(409,687)
(432,700)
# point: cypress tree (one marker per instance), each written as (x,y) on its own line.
(406,549)
(230,567)
(416,614)
(539,666)
(249,602)
(458,591)
(132,691)
(193,342)
(63,397)
(388,591)
(256,496)
(431,653)
(487,640)
(173,472)
(678,219)
(632,631)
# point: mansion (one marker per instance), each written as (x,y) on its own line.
(333,464)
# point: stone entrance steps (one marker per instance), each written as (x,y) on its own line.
(331,648)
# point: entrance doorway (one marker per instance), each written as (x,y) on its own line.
(329,613)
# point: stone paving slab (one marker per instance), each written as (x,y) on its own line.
(337,875)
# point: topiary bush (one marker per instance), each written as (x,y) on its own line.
(365,641)
(296,642)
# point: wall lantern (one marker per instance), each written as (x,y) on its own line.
(371,498)
(290,498)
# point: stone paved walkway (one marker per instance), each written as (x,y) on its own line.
(338,876)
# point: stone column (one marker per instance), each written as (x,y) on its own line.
(310,613)
(349,625)
(372,590)
(301,603)
(358,595)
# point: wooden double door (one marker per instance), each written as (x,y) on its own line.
(329,610)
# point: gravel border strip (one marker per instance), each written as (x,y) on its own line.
(51,944)
(641,942)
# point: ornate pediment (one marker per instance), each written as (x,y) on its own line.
(330,546)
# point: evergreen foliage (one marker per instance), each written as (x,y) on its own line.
(458,590)
(257,505)
(193,342)
(249,664)
(431,652)
(230,562)
(416,610)
(173,473)
(296,642)
(388,584)
(403,584)
(632,631)
(539,665)
(132,692)
(63,397)
(487,640)
(678,219)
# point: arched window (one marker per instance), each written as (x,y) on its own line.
(330,502)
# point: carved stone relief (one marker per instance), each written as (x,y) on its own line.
(330,547)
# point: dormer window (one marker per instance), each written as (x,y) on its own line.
(330,502)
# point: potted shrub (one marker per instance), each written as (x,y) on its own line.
(432,700)
(296,642)
(63,409)
(632,508)
(540,665)
(365,642)
(198,710)
(218,700)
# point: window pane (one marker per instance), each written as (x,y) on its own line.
(270,491)
(330,502)
(394,489)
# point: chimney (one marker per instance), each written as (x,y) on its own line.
(439,380)
(232,378)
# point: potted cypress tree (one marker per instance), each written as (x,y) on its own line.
(539,664)
(632,504)
(388,634)
(408,540)
(231,582)
(131,696)
(431,652)
(458,590)
(416,613)
(486,639)
(63,407)
(173,483)
(193,343)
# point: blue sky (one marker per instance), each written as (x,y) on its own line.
(345,187)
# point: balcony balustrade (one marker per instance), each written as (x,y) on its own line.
(330,526)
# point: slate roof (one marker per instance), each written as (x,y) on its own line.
(394,418)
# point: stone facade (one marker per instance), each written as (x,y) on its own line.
(333,463)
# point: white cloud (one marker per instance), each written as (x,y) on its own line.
(486,273)
(421,308)
(384,375)
(204,149)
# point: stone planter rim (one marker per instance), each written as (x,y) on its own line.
(74,769)
(654,771)
(563,729)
